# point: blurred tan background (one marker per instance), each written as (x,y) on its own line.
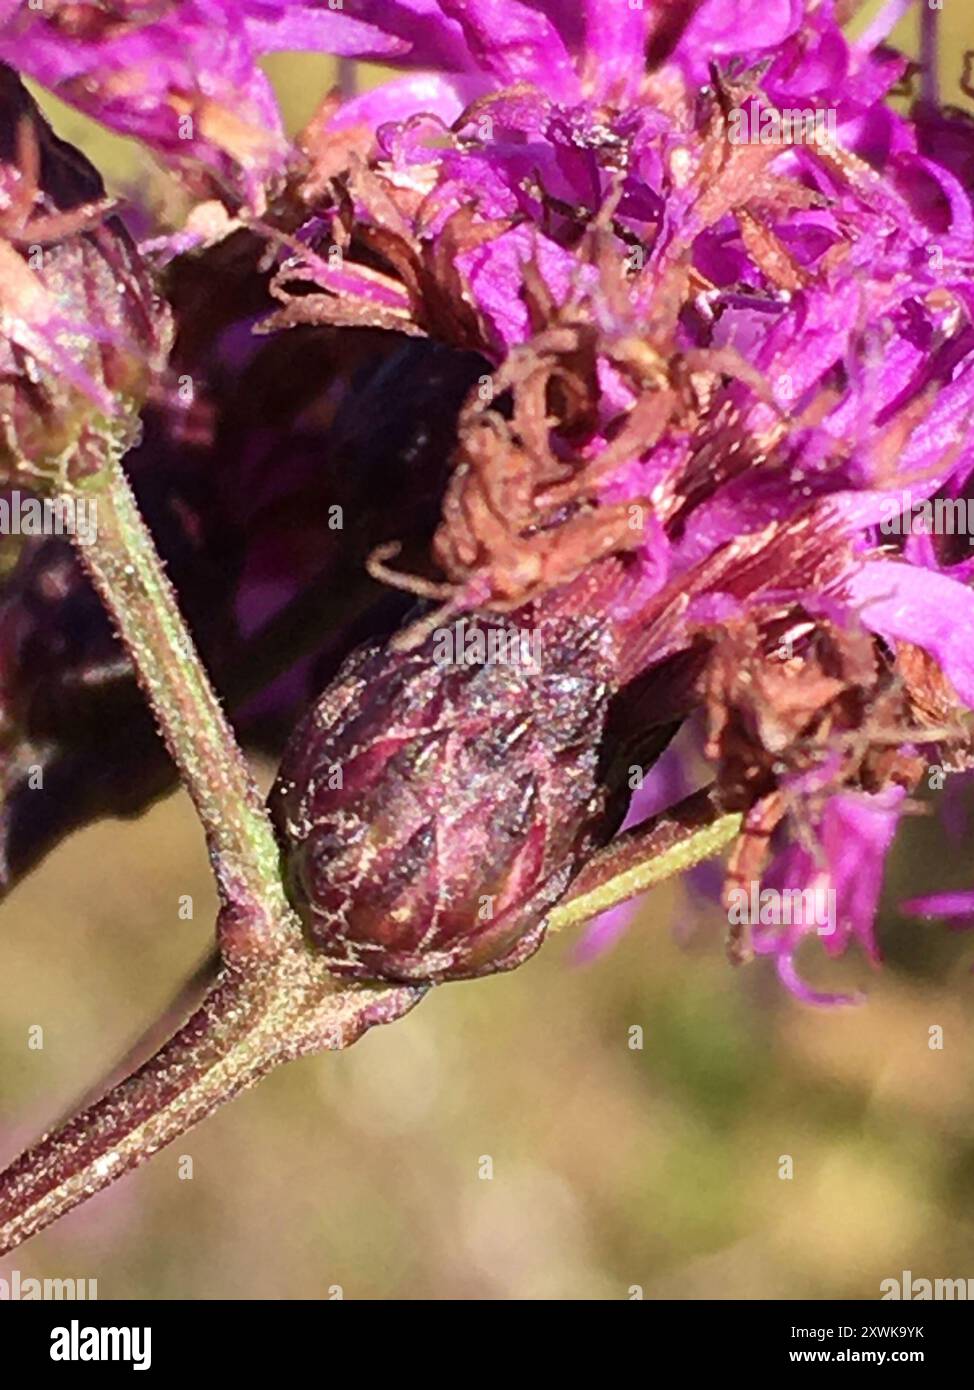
(613,1166)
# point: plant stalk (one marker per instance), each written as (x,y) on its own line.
(124,566)
(243,1029)
(273,999)
(695,829)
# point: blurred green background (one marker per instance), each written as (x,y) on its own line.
(613,1166)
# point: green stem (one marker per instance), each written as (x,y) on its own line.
(273,999)
(669,844)
(128,574)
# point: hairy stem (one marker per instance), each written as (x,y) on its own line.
(669,844)
(128,574)
(252,1020)
(243,1029)
(272,999)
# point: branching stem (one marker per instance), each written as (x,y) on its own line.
(243,1029)
(273,998)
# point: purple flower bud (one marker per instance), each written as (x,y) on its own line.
(83,331)
(432,811)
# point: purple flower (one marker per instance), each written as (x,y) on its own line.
(844,872)
(756,358)
(724,298)
(182,77)
(83,330)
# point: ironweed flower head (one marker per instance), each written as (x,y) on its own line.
(432,811)
(182,75)
(83,331)
(684,480)
(734,362)
(723,294)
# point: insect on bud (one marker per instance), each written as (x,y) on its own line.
(431,813)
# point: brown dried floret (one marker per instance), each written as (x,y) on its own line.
(798,709)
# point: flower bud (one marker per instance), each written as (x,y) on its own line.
(82,330)
(432,811)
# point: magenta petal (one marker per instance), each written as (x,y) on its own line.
(514,43)
(943,905)
(739,26)
(615,44)
(857,832)
(432,94)
(495,276)
(304,28)
(604,931)
(824,999)
(920,606)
